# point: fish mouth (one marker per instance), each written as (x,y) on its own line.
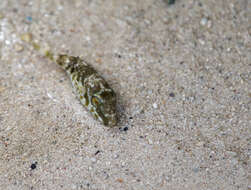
(109,120)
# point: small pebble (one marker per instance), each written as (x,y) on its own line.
(2,89)
(167,178)
(29,18)
(33,166)
(18,47)
(172,94)
(7,42)
(155,106)
(202,42)
(120,180)
(116,156)
(27,37)
(74,186)
(150,141)
(97,152)
(93,160)
(203,21)
(170,2)
(209,23)
(200,143)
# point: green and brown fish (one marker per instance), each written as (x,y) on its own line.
(91,89)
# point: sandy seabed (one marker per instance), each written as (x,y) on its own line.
(182,74)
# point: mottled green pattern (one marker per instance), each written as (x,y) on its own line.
(92,90)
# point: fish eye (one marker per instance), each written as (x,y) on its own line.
(95,101)
(107,95)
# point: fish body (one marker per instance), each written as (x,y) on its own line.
(91,89)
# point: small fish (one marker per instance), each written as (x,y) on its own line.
(92,90)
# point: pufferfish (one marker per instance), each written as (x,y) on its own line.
(91,89)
